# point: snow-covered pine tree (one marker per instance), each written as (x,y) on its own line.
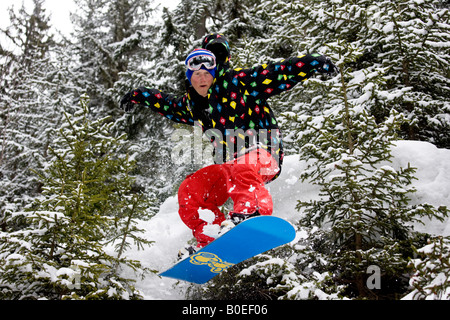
(56,248)
(409,38)
(191,20)
(412,40)
(31,100)
(363,201)
(110,36)
(431,279)
(406,42)
(157,66)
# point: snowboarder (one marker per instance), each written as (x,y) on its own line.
(230,106)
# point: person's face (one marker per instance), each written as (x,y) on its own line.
(202,80)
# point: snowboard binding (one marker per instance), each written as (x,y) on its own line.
(237,218)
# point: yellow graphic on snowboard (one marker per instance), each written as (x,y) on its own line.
(211,260)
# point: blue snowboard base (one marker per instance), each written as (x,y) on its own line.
(248,239)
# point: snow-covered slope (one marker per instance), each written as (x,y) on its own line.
(170,234)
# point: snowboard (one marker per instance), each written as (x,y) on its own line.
(248,239)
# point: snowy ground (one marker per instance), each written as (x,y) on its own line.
(170,234)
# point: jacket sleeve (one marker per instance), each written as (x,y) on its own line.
(167,105)
(273,78)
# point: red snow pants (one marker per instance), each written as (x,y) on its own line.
(242,180)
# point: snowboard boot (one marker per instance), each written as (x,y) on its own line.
(234,220)
(239,217)
(186,252)
(226,226)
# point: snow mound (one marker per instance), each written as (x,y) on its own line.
(433,178)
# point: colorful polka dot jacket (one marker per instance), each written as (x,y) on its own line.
(235,115)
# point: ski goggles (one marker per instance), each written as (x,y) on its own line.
(195,63)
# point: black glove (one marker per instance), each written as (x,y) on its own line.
(129,100)
(326,66)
